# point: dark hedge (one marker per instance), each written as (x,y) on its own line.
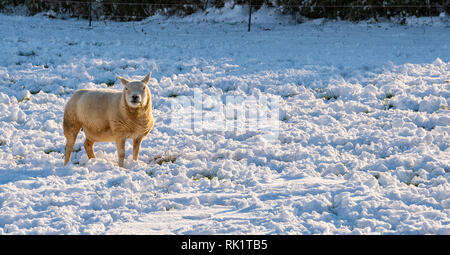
(139,9)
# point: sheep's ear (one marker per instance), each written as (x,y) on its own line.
(123,80)
(147,78)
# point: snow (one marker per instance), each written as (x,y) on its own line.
(356,139)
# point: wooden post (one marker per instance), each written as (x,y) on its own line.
(90,13)
(249,15)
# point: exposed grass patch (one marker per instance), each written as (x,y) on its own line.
(170,208)
(427,128)
(110,83)
(290,95)
(329,97)
(26,53)
(325,94)
(376,175)
(161,159)
(410,183)
(208,176)
(18,157)
(387,105)
(48,151)
(24,99)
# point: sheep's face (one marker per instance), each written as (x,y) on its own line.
(135,92)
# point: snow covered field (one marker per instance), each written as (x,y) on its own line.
(360,144)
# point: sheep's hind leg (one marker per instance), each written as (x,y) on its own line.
(71,135)
(89,147)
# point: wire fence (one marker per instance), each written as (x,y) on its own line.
(444,5)
(203,4)
(248,3)
(120,10)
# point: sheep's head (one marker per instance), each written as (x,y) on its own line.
(135,92)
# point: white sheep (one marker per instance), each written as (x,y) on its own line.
(109,116)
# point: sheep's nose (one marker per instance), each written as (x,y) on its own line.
(135,98)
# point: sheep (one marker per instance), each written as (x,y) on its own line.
(107,115)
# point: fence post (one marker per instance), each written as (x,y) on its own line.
(249,15)
(90,13)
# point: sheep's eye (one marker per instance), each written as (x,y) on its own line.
(126,88)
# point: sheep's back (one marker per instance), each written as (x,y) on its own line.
(95,108)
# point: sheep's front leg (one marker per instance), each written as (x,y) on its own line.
(120,144)
(136,146)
